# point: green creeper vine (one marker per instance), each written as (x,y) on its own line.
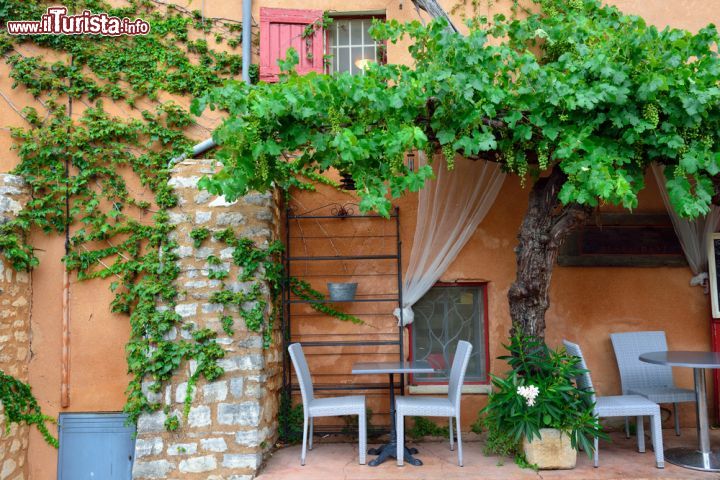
(321,23)
(576,87)
(20,405)
(198,235)
(257,267)
(315,299)
(262,264)
(105,178)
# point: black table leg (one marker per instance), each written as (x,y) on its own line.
(389,450)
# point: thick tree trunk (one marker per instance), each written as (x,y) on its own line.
(545,227)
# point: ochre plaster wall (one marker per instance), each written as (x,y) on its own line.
(587,303)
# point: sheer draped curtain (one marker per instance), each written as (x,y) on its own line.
(450,208)
(693,234)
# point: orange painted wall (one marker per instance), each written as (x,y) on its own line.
(587,303)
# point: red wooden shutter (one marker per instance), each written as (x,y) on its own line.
(282,28)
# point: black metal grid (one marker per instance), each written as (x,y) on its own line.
(344,213)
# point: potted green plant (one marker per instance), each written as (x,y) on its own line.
(536,412)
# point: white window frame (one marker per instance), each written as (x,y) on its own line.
(336,51)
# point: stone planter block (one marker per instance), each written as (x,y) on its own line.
(552,451)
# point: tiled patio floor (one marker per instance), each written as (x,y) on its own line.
(618,460)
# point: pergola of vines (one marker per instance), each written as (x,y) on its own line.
(576,96)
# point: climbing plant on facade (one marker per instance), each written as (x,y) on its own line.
(575,96)
(102,180)
(19,405)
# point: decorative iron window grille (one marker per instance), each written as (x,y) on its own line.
(446,314)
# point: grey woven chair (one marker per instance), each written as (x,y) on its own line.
(639,378)
(622,406)
(325,407)
(436,407)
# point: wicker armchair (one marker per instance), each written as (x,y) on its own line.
(622,406)
(325,407)
(436,407)
(654,382)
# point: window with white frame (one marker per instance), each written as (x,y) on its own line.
(446,314)
(350,46)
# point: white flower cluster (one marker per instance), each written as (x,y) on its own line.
(529,393)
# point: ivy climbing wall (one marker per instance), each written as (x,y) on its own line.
(15,296)
(225,426)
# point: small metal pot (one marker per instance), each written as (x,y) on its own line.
(342,292)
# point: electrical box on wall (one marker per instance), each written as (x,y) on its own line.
(95,445)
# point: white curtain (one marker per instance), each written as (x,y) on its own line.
(693,234)
(450,208)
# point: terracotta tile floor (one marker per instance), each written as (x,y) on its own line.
(618,460)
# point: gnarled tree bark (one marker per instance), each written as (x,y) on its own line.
(545,227)
(433,8)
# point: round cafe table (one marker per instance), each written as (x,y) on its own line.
(702,458)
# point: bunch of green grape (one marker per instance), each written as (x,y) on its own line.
(549,9)
(689,136)
(555,49)
(449,153)
(542,156)
(707,141)
(263,168)
(253,137)
(508,156)
(397,162)
(429,151)
(335,120)
(638,152)
(521,166)
(651,114)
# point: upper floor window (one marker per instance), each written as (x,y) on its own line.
(446,314)
(345,46)
(350,46)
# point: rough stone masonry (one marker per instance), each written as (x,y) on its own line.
(15,297)
(232,421)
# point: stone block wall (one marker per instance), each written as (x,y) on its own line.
(233,421)
(15,297)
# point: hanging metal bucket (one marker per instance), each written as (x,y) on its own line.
(342,292)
